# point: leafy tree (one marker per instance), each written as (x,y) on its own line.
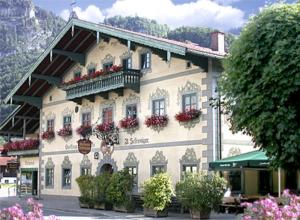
(261,84)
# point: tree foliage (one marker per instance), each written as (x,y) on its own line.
(261,84)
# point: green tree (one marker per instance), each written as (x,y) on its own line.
(261,84)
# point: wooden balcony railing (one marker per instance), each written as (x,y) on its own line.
(113,81)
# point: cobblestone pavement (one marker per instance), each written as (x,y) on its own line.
(68,209)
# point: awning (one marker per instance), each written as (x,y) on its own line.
(254,159)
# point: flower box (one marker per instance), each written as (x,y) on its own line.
(155,213)
(157,121)
(48,135)
(84,130)
(129,123)
(29,144)
(94,75)
(105,127)
(64,132)
(188,115)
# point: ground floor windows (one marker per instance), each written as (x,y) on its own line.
(189,162)
(49,178)
(190,168)
(66,178)
(158,163)
(85,171)
(85,166)
(158,169)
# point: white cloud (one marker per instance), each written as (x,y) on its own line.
(91,13)
(226,2)
(204,13)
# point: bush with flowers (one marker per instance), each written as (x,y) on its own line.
(16,212)
(29,144)
(48,135)
(129,123)
(285,208)
(157,121)
(188,115)
(64,132)
(84,130)
(96,74)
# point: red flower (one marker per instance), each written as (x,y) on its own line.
(188,115)
(47,135)
(84,130)
(67,131)
(105,127)
(157,120)
(129,122)
(21,145)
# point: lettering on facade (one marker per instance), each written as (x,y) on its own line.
(71,147)
(130,141)
(29,162)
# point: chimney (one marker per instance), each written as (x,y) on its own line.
(217,42)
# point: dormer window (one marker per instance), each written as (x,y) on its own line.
(77,74)
(91,70)
(106,66)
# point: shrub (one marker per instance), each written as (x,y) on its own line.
(200,191)
(157,192)
(269,209)
(101,184)
(86,185)
(120,188)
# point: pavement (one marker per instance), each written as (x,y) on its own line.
(67,208)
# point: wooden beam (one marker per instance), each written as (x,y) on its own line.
(91,98)
(35,101)
(27,117)
(79,57)
(56,81)
(78,101)
(120,92)
(104,95)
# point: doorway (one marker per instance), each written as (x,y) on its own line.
(265,182)
(107,168)
(29,182)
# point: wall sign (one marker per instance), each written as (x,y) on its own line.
(129,141)
(84,146)
(13,166)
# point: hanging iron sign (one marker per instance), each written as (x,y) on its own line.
(84,146)
(107,147)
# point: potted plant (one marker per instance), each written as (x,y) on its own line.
(188,115)
(119,191)
(200,193)
(157,122)
(86,185)
(157,194)
(101,184)
(48,135)
(129,124)
(64,132)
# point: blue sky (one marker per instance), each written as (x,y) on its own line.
(221,14)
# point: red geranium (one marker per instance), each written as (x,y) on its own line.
(84,130)
(47,135)
(29,144)
(105,127)
(157,120)
(67,131)
(129,122)
(188,115)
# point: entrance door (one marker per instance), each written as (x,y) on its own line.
(34,182)
(107,168)
(264,184)
(291,180)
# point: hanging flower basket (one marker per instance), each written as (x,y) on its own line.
(94,75)
(129,123)
(65,132)
(29,144)
(48,135)
(157,122)
(188,115)
(84,131)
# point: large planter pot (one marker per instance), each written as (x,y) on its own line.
(123,209)
(103,206)
(85,205)
(197,214)
(154,213)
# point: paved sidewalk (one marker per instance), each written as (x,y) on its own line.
(70,205)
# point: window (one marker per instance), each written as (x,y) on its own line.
(67,122)
(49,181)
(106,66)
(189,102)
(85,171)
(191,168)
(126,63)
(91,70)
(158,107)
(133,171)
(107,115)
(77,74)
(188,64)
(6,181)
(235,181)
(86,119)
(131,111)
(50,125)
(145,60)
(66,180)
(158,169)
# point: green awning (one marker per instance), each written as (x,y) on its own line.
(254,159)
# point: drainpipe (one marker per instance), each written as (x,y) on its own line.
(213,89)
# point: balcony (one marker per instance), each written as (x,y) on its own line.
(101,85)
(22,148)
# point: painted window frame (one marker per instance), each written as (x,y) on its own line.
(159,100)
(47,185)
(64,186)
(86,121)
(50,124)
(104,120)
(77,74)
(190,96)
(147,61)
(65,123)
(107,65)
(128,61)
(133,105)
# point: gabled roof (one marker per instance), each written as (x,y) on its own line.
(68,48)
